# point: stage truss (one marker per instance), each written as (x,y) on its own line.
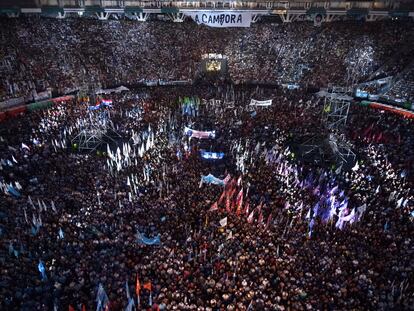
(334,117)
(95,131)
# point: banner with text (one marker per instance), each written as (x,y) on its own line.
(221,19)
(254,102)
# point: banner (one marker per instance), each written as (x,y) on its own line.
(221,19)
(199,134)
(114,90)
(43,95)
(210,179)
(103,103)
(148,241)
(176,82)
(264,103)
(211,155)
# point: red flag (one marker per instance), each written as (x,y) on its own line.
(268,221)
(230,193)
(379,138)
(213,207)
(229,184)
(260,220)
(147,286)
(227,179)
(71,308)
(137,287)
(369,129)
(239,201)
(83,307)
(223,195)
(228,205)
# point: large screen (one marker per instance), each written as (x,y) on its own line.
(213,65)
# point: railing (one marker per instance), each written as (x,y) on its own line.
(301,4)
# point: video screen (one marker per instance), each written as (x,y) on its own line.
(213,65)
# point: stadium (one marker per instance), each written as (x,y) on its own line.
(206,155)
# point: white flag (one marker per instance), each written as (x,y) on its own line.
(223,222)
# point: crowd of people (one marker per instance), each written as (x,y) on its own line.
(114,52)
(131,224)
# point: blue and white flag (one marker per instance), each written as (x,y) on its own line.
(13,191)
(131,305)
(142,239)
(210,179)
(211,155)
(61,235)
(42,270)
(102,300)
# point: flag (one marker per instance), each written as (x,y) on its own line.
(127,290)
(250,218)
(42,270)
(106,102)
(311,224)
(246,208)
(71,308)
(230,236)
(130,305)
(24,146)
(102,299)
(228,205)
(260,220)
(61,235)
(268,221)
(147,286)
(223,195)
(223,222)
(356,167)
(227,179)
(239,201)
(137,288)
(214,207)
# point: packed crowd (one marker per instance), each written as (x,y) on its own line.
(132,223)
(114,52)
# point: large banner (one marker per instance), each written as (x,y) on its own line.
(199,134)
(211,179)
(254,102)
(221,19)
(114,90)
(211,155)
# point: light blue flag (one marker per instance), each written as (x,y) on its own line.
(61,235)
(42,270)
(148,241)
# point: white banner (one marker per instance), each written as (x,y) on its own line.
(254,102)
(221,19)
(115,90)
(43,95)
